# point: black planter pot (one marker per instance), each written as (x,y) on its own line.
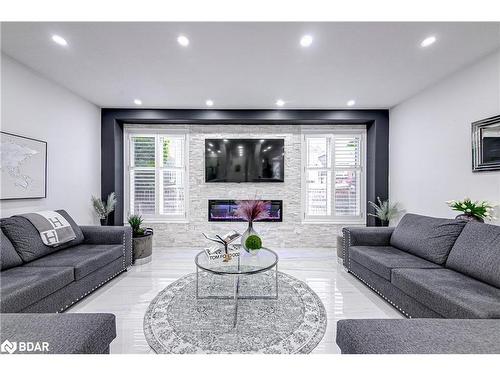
(381,223)
(469,217)
(104,222)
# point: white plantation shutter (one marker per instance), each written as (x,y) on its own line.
(347,159)
(143,192)
(333,174)
(157,175)
(172,176)
(142,175)
(318,176)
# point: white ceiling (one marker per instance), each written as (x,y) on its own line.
(248,65)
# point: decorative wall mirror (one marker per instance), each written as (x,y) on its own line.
(486,144)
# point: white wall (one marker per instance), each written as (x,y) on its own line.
(430,141)
(35,107)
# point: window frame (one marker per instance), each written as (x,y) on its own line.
(159,169)
(331,133)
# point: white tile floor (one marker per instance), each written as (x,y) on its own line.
(129,295)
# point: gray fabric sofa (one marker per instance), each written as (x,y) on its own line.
(58,333)
(429,267)
(36,278)
(419,336)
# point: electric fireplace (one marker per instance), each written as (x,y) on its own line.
(224,210)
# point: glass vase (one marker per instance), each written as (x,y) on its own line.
(249,232)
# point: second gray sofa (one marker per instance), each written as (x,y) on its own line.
(429,267)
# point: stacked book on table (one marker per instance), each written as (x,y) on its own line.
(223,249)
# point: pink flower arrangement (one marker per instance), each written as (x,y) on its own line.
(253,210)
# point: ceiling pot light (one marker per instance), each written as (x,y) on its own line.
(59,40)
(428,41)
(183,40)
(209,103)
(306,40)
(280,103)
(351,102)
(137,101)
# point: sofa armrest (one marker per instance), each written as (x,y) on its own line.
(109,235)
(365,236)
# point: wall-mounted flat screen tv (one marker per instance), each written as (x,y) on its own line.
(244,160)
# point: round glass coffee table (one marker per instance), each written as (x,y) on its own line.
(243,265)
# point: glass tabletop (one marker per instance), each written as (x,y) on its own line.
(244,264)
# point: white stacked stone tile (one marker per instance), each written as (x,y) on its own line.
(292,232)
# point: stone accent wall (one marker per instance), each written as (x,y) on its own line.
(289,233)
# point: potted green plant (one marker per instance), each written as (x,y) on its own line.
(253,243)
(384,211)
(473,211)
(104,209)
(142,240)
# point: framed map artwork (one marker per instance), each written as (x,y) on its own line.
(23,167)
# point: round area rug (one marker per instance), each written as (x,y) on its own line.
(176,322)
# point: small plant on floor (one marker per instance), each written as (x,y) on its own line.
(135,222)
(477,211)
(384,210)
(253,242)
(104,209)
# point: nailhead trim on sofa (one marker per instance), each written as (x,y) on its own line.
(104,282)
(380,294)
(347,244)
(90,291)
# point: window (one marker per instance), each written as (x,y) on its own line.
(333,186)
(156,175)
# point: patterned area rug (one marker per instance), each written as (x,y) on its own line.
(176,322)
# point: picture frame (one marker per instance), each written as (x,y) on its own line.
(23,167)
(486,144)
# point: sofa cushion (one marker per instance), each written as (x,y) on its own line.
(85,259)
(66,333)
(477,253)
(427,237)
(419,336)
(26,238)
(23,286)
(449,293)
(8,256)
(382,259)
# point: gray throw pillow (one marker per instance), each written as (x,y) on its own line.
(430,238)
(477,253)
(8,256)
(26,239)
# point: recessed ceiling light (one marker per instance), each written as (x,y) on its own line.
(209,103)
(280,103)
(137,101)
(59,40)
(306,40)
(183,40)
(428,41)
(351,102)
